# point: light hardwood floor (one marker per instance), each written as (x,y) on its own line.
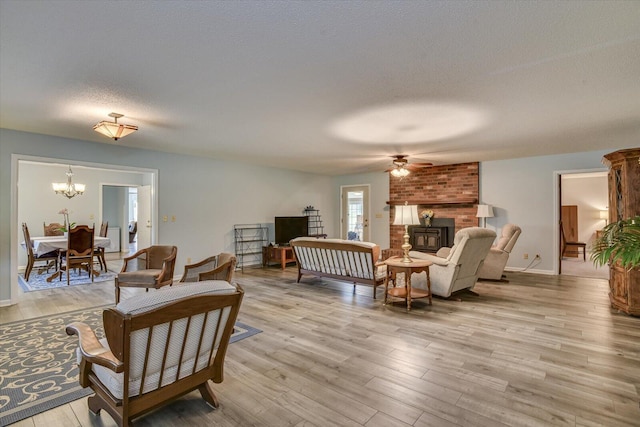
(538,351)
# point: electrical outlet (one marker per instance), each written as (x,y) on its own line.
(525,256)
(165,218)
(173,218)
(188,260)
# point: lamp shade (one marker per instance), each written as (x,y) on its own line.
(604,214)
(485,211)
(406,215)
(114,129)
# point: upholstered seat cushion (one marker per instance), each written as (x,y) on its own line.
(147,277)
(151,301)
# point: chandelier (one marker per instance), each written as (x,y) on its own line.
(114,129)
(68,189)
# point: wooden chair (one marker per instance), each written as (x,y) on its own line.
(99,252)
(150,267)
(79,252)
(158,347)
(219,267)
(53,229)
(576,245)
(51,258)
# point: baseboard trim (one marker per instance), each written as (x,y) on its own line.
(531,270)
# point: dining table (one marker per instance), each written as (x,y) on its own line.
(45,244)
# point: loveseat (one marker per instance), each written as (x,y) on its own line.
(456,268)
(351,261)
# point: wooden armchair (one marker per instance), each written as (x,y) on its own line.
(219,267)
(158,347)
(150,267)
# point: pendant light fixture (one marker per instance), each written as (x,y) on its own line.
(114,129)
(68,189)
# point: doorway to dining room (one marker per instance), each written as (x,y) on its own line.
(35,202)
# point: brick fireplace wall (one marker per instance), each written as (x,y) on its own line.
(450,191)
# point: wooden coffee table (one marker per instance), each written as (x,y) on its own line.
(395,265)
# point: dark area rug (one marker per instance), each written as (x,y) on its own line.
(38,365)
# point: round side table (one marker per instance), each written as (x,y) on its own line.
(395,265)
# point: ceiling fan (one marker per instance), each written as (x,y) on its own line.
(402,167)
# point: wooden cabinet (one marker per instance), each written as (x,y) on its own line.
(624,202)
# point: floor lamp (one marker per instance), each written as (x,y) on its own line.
(484,212)
(406,215)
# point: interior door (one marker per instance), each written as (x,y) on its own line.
(355,213)
(144,217)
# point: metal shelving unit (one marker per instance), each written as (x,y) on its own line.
(316,229)
(249,241)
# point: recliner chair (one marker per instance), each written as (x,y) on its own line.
(455,268)
(496,260)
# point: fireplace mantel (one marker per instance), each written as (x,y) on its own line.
(434,202)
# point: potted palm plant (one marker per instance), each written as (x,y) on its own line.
(619,242)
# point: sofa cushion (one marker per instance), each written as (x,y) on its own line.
(151,301)
(147,277)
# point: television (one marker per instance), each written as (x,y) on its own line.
(290,227)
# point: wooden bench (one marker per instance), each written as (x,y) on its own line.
(356,262)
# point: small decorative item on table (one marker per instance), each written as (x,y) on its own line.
(67,225)
(427,215)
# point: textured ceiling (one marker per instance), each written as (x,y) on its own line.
(328,87)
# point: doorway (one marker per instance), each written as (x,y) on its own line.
(123,207)
(355,213)
(583,200)
(34,202)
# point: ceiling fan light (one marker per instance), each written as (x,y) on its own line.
(399,172)
(114,129)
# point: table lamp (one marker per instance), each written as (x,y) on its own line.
(406,215)
(604,215)
(484,212)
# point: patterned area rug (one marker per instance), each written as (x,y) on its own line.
(38,366)
(38,282)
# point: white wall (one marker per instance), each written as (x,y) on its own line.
(207,196)
(591,195)
(525,192)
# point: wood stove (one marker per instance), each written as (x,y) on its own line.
(430,239)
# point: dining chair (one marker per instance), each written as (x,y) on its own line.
(150,267)
(99,252)
(570,244)
(51,258)
(79,252)
(53,229)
